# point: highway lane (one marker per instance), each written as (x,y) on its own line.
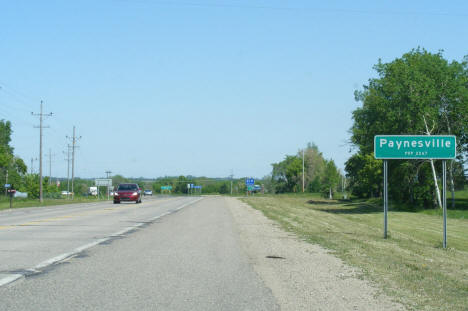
(190,259)
(32,238)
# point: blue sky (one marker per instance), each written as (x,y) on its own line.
(202,87)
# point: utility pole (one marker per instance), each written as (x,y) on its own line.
(6,181)
(41,116)
(74,139)
(230,176)
(303,180)
(68,169)
(32,165)
(108,174)
(50,155)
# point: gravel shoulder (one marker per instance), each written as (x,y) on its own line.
(302,276)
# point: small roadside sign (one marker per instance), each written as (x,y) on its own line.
(249,182)
(7,185)
(103,182)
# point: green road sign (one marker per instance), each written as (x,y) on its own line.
(166,187)
(415,147)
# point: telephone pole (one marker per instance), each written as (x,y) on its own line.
(50,155)
(68,169)
(6,181)
(108,173)
(230,176)
(41,116)
(32,165)
(74,140)
(303,180)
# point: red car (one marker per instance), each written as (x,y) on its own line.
(127,192)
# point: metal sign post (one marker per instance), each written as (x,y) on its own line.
(407,147)
(444,200)
(385,195)
(249,182)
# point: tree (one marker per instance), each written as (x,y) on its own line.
(224,188)
(365,175)
(330,179)
(314,163)
(418,86)
(286,175)
(10,165)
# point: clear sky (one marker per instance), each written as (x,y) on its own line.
(201,87)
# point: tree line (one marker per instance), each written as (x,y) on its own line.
(179,184)
(320,174)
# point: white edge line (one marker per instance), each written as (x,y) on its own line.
(9,279)
(13,277)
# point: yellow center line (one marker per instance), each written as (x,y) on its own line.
(79,214)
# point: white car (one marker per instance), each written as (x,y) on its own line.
(148,192)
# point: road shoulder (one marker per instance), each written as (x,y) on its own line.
(302,276)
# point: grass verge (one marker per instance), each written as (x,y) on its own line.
(410,266)
(20,203)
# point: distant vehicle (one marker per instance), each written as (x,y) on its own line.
(148,192)
(93,191)
(65,192)
(256,189)
(127,192)
(20,194)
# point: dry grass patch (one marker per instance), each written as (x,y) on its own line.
(410,266)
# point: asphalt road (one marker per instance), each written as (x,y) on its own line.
(178,253)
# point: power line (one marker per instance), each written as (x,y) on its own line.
(295,9)
(41,116)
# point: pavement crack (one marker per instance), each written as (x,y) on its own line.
(274,257)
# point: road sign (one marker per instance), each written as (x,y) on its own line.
(406,147)
(197,187)
(415,147)
(7,185)
(249,182)
(103,182)
(166,187)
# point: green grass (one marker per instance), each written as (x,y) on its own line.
(410,265)
(20,203)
